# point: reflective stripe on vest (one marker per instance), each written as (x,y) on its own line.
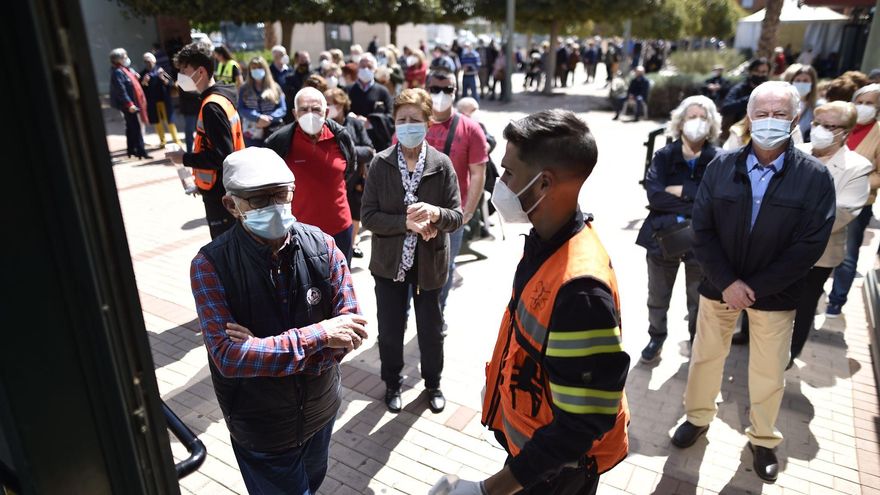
(205,178)
(520,398)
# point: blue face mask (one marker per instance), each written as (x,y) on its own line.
(411,135)
(270,222)
(770,133)
(258,74)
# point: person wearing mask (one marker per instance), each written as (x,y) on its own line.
(315,81)
(279,67)
(832,125)
(367,97)
(805,81)
(470,63)
(299,73)
(411,204)
(716,87)
(127,96)
(277,312)
(333,76)
(734,107)
(637,93)
(442,59)
(355,52)
(338,110)
(322,156)
(470,108)
(157,86)
(864,140)
(416,69)
(387,59)
(218,132)
(462,140)
(563,416)
(761,219)
(228,71)
(671,184)
(261,103)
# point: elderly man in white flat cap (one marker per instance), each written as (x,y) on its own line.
(278,312)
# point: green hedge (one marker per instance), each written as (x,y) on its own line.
(668,91)
(702,61)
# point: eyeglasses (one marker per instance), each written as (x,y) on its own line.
(827,126)
(437,89)
(264,200)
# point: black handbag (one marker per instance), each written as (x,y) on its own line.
(676,240)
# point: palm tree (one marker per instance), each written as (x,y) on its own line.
(769,27)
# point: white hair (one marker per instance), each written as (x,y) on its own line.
(118,55)
(676,118)
(356,48)
(309,91)
(149,57)
(467,103)
(369,56)
(871,88)
(780,88)
(279,49)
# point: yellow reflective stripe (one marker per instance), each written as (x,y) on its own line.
(579,400)
(583,343)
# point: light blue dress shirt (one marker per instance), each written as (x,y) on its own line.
(760,177)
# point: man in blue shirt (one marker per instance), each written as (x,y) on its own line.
(470,67)
(762,218)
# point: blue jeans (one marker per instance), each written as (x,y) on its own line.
(455,240)
(469,87)
(189,130)
(344,242)
(299,470)
(846,271)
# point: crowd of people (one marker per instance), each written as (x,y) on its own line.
(292,161)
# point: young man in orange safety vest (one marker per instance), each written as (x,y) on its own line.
(218,131)
(554,387)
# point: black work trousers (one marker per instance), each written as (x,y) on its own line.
(806,308)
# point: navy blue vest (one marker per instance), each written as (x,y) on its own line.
(273,414)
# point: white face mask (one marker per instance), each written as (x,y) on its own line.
(356,59)
(441,102)
(821,138)
(508,204)
(365,75)
(867,113)
(803,88)
(696,129)
(332,82)
(334,112)
(311,123)
(187,83)
(412,61)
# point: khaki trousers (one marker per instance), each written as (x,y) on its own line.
(769,345)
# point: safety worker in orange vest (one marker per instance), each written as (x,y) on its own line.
(218,131)
(554,387)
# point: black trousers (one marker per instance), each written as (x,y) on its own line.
(662,273)
(392,301)
(806,308)
(219,218)
(581,480)
(134,140)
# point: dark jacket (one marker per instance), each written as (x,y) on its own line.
(156,90)
(363,146)
(273,414)
(669,168)
(789,236)
(376,99)
(639,86)
(280,140)
(736,101)
(122,93)
(383,212)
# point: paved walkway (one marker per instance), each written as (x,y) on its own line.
(829,415)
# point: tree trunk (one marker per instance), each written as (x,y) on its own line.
(528,43)
(287,36)
(550,70)
(270,35)
(769,27)
(393,34)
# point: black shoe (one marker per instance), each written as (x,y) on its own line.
(356,252)
(790,364)
(436,401)
(652,351)
(145,156)
(445,329)
(766,466)
(740,338)
(686,434)
(392,400)
(616,117)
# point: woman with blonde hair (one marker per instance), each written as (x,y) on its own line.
(805,80)
(671,183)
(261,103)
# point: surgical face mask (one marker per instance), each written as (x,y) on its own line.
(441,102)
(258,74)
(821,137)
(769,133)
(311,123)
(803,88)
(334,112)
(270,222)
(365,75)
(412,61)
(332,82)
(867,113)
(186,83)
(325,64)
(285,59)
(356,59)
(382,61)
(508,204)
(696,129)
(127,62)
(411,135)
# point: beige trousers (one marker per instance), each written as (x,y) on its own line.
(769,347)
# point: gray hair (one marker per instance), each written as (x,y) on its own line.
(676,118)
(777,88)
(149,57)
(279,49)
(369,56)
(309,91)
(870,88)
(118,55)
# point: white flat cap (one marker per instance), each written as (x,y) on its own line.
(254,168)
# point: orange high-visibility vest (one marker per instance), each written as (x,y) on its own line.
(516,409)
(206,178)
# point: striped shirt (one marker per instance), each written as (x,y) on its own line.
(294,350)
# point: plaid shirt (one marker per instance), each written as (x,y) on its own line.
(292,351)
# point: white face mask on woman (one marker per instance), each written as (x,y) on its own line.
(866,113)
(821,138)
(696,129)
